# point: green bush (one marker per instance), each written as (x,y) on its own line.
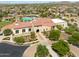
(19,40)
(41,51)
(54,34)
(69,30)
(74,39)
(7,38)
(7,32)
(33,35)
(61,48)
(59,27)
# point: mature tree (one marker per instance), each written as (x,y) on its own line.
(54,34)
(7,32)
(42,51)
(19,40)
(74,39)
(61,48)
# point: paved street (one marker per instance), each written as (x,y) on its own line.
(47,43)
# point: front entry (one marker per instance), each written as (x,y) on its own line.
(37,30)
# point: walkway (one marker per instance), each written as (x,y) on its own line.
(47,43)
(74,50)
(30,52)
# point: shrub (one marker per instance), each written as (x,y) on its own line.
(61,48)
(41,51)
(33,35)
(74,39)
(7,38)
(59,27)
(7,32)
(54,34)
(19,40)
(69,30)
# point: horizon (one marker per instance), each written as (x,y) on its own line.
(30,2)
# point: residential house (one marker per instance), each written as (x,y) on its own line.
(37,25)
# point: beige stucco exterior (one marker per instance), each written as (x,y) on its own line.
(40,28)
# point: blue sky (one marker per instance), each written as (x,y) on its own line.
(39,0)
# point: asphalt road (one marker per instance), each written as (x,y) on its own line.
(8,50)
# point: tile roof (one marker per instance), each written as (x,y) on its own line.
(43,22)
(37,22)
(18,25)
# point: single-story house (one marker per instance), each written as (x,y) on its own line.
(60,22)
(37,25)
(43,24)
(19,27)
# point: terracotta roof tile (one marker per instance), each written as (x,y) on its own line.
(43,22)
(18,25)
(36,22)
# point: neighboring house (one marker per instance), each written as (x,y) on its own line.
(37,25)
(7,18)
(60,22)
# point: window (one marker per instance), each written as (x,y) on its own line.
(29,29)
(17,31)
(23,30)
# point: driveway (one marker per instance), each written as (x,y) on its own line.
(8,50)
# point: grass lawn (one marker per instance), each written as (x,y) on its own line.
(3,23)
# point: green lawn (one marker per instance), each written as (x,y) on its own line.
(3,23)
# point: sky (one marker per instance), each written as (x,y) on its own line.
(39,0)
(33,1)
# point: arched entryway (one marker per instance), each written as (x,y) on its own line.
(37,30)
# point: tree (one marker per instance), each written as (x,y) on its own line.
(59,27)
(61,48)
(33,35)
(54,34)
(7,32)
(42,51)
(19,40)
(74,39)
